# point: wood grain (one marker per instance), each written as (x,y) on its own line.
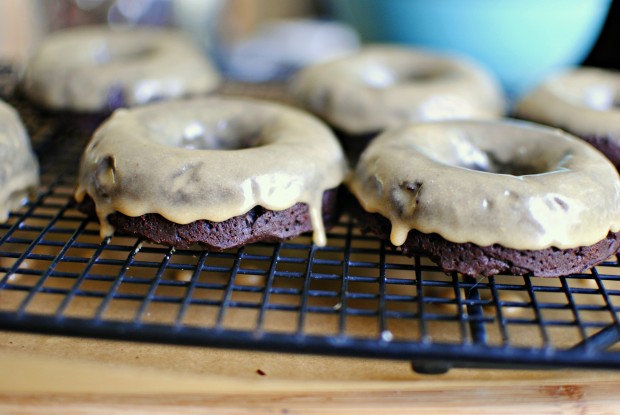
(58,375)
(568,399)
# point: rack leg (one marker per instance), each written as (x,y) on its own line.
(430,367)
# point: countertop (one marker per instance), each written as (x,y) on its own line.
(52,374)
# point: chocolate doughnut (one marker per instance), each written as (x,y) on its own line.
(483,198)
(94,69)
(366,92)
(582,101)
(220,172)
(19,170)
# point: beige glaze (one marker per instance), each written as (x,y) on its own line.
(384,86)
(541,187)
(19,170)
(77,69)
(212,158)
(583,101)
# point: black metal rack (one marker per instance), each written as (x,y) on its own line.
(353,297)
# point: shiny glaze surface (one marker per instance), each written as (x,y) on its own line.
(211,158)
(383,86)
(511,183)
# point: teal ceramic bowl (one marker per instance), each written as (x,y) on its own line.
(520,40)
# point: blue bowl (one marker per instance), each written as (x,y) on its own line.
(520,40)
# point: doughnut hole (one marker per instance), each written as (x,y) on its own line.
(472,152)
(197,131)
(488,162)
(117,52)
(382,76)
(224,135)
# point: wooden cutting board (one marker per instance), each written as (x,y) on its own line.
(50,374)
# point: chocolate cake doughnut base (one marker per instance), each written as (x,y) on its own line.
(473,260)
(606,145)
(354,144)
(259,224)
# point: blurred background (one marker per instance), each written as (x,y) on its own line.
(264,40)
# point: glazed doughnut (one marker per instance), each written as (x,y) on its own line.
(94,69)
(483,198)
(383,86)
(217,171)
(19,174)
(583,102)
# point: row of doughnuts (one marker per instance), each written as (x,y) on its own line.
(477,196)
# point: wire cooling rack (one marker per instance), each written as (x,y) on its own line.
(353,297)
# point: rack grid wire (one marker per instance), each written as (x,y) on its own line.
(353,297)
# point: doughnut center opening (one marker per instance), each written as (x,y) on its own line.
(492,164)
(115,53)
(225,135)
(419,76)
(465,154)
(382,77)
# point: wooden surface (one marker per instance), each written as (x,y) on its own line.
(58,375)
